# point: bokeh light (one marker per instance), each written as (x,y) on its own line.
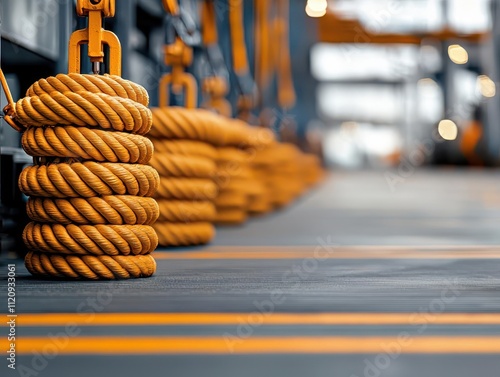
(458,54)
(447,129)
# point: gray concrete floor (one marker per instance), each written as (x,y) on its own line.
(431,211)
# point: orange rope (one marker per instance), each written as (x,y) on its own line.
(180,234)
(90,239)
(231,198)
(111,209)
(178,211)
(88,179)
(87,144)
(169,165)
(231,216)
(91,190)
(203,125)
(90,266)
(185,148)
(187,189)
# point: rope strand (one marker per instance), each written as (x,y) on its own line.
(91,190)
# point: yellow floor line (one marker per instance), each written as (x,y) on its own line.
(320,253)
(261,345)
(332,319)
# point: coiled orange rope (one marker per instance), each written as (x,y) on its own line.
(186,211)
(91,192)
(88,144)
(234,179)
(185,148)
(203,125)
(187,189)
(185,141)
(89,266)
(170,165)
(110,209)
(231,216)
(184,234)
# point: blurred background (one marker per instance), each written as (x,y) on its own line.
(379,84)
(375,79)
(408,78)
(378,90)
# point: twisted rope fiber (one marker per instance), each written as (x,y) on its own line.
(232,163)
(231,198)
(236,184)
(92,218)
(258,205)
(90,266)
(181,123)
(73,82)
(168,165)
(87,144)
(182,234)
(88,179)
(106,102)
(203,125)
(228,216)
(257,188)
(178,211)
(238,171)
(231,155)
(186,189)
(185,148)
(90,239)
(112,209)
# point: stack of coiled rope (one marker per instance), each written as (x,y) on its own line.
(186,163)
(234,179)
(240,191)
(90,186)
(190,146)
(312,172)
(286,172)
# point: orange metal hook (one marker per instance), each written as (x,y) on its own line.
(95,36)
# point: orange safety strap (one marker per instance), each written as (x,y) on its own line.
(239,51)
(263,65)
(171,6)
(214,87)
(470,139)
(208,22)
(246,100)
(178,55)
(286,90)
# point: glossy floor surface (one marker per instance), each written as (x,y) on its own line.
(370,274)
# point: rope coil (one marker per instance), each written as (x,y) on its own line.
(181,234)
(91,190)
(90,239)
(231,198)
(89,266)
(88,179)
(105,101)
(185,148)
(203,125)
(186,189)
(87,144)
(231,216)
(178,211)
(112,209)
(169,165)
